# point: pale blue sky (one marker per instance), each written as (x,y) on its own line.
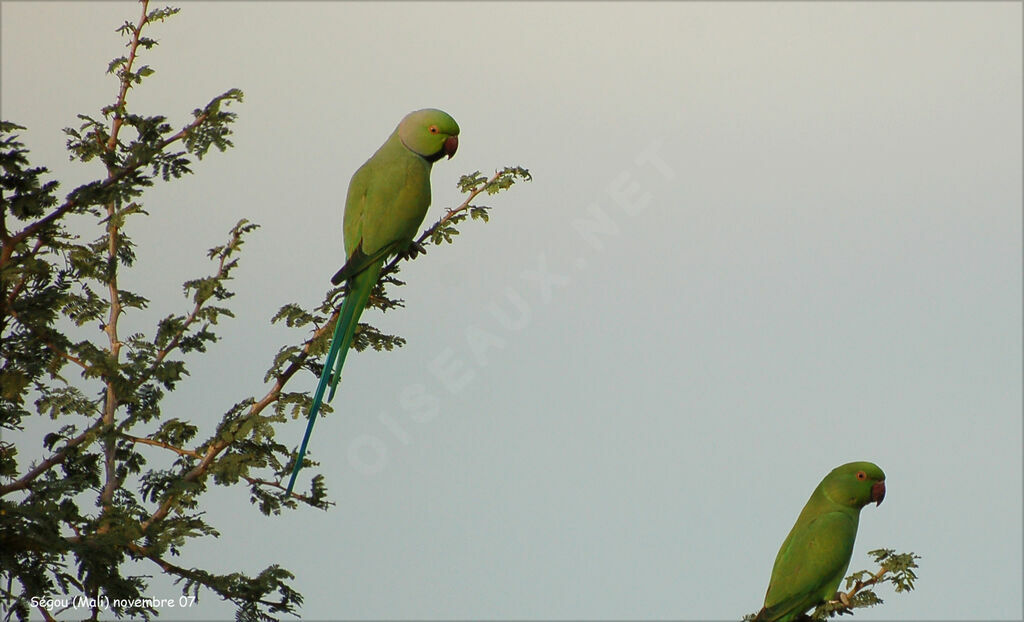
(821,263)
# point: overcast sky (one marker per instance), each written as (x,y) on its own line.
(810,254)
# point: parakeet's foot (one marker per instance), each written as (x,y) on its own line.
(414,249)
(842,604)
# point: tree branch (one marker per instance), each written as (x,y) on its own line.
(111,403)
(70,204)
(219,446)
(149,441)
(255,481)
(21,282)
(845,598)
(7,592)
(45,613)
(176,340)
(187,573)
(53,460)
(49,344)
(126,82)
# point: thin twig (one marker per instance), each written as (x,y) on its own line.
(46,614)
(186,573)
(21,282)
(53,460)
(176,341)
(255,481)
(149,441)
(846,598)
(448,215)
(49,344)
(126,83)
(11,596)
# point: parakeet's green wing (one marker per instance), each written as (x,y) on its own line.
(810,565)
(360,261)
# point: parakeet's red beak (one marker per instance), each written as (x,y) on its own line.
(451,145)
(878,492)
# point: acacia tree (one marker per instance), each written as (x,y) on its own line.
(76,519)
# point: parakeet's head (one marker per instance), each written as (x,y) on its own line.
(430,132)
(855,484)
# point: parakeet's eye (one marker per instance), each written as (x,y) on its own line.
(861,475)
(433,129)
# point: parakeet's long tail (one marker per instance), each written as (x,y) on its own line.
(348,318)
(315,408)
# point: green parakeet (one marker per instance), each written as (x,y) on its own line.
(813,560)
(387,201)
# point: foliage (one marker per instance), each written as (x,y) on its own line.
(86,515)
(894,568)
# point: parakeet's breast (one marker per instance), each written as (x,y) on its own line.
(414,199)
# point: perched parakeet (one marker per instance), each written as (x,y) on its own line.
(813,560)
(387,201)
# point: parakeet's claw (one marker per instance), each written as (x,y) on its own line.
(414,249)
(841,603)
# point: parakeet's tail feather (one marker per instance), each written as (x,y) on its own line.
(358,261)
(315,408)
(348,318)
(358,295)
